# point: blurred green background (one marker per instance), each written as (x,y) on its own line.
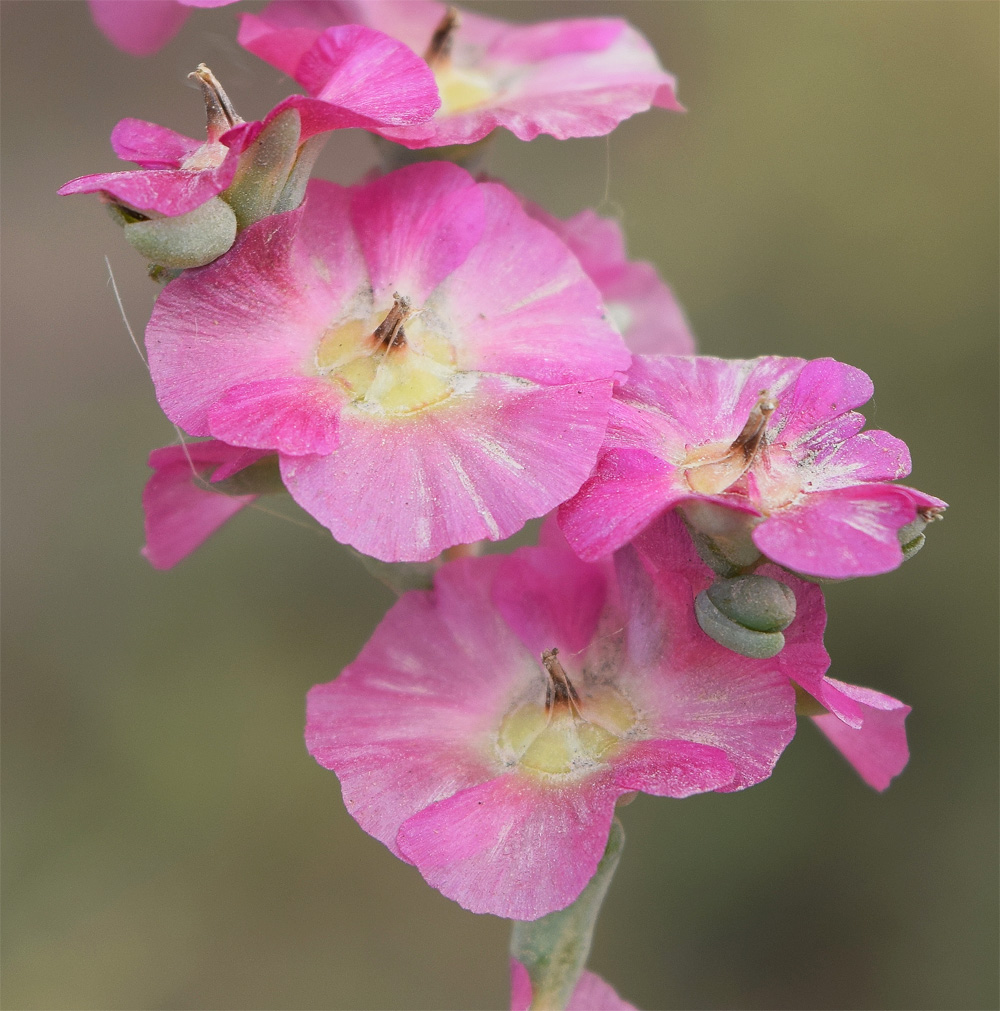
(169,843)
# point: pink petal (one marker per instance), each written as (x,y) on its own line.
(255,314)
(641,305)
(182,510)
(838,534)
(369,73)
(534,311)
(824,389)
(628,489)
(878,749)
(295,415)
(477,467)
(166,191)
(151,145)
(411,720)
(138,28)
(591,993)
(550,598)
(674,768)
(417,225)
(868,456)
(513,847)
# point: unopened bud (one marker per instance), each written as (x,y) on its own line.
(264,169)
(722,536)
(187,240)
(738,638)
(759,603)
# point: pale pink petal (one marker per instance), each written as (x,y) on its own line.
(151,145)
(839,534)
(474,468)
(878,748)
(550,598)
(182,509)
(417,225)
(138,28)
(521,290)
(295,415)
(591,993)
(513,846)
(411,720)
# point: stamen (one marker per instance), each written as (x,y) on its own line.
(439,48)
(390,332)
(931,513)
(751,438)
(221,114)
(559,692)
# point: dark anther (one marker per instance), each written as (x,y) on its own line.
(221,114)
(559,691)
(390,333)
(752,437)
(439,48)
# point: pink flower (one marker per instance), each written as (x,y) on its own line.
(572,78)
(488,728)
(640,304)
(591,993)
(141,27)
(768,449)
(431,365)
(371,79)
(184,500)
(865,726)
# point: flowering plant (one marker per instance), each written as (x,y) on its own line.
(424,361)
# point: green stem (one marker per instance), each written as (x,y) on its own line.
(554,949)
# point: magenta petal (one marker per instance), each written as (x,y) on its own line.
(839,534)
(151,145)
(476,468)
(543,41)
(550,598)
(513,847)
(878,749)
(417,225)
(369,73)
(867,456)
(138,28)
(674,768)
(520,987)
(182,509)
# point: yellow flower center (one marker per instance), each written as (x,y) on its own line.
(460,88)
(390,362)
(571,732)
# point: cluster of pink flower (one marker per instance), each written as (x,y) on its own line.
(424,360)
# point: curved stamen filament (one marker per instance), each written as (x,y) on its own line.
(559,692)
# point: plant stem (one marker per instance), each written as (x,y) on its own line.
(554,948)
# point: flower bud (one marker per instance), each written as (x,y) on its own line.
(722,536)
(187,240)
(759,603)
(738,638)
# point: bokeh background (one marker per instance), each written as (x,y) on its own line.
(168,843)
